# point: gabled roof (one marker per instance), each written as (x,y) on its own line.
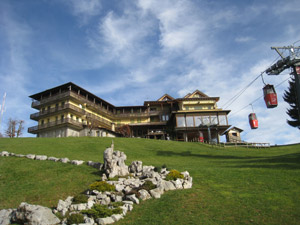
(196,94)
(165,97)
(233,128)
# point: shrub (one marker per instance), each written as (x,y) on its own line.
(157,169)
(102,186)
(148,185)
(101,211)
(173,175)
(116,204)
(81,198)
(75,218)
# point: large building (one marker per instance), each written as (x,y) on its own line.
(69,110)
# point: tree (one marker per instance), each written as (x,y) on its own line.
(124,130)
(20,128)
(290,96)
(12,130)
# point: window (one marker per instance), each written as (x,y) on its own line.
(42,122)
(180,121)
(63,104)
(48,120)
(214,120)
(198,121)
(62,117)
(139,120)
(205,120)
(56,105)
(56,118)
(77,119)
(198,107)
(190,121)
(71,117)
(49,108)
(131,110)
(222,120)
(43,110)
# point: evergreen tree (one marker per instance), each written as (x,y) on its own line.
(290,96)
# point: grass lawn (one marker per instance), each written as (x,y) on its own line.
(230,186)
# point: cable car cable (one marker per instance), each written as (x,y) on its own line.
(256,99)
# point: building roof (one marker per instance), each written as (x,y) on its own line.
(233,128)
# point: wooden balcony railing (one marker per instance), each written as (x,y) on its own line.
(46,112)
(55,123)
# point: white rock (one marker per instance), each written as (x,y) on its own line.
(89,221)
(188,183)
(30,156)
(78,207)
(133,198)
(119,187)
(185,174)
(116,217)
(128,202)
(178,183)
(5,216)
(77,162)
(166,185)
(157,192)
(35,214)
(51,158)
(41,157)
(64,160)
(5,153)
(136,167)
(144,195)
(103,221)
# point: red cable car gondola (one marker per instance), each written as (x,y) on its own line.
(253,121)
(270,96)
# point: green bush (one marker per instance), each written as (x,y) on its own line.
(173,175)
(148,185)
(102,186)
(81,198)
(116,204)
(101,211)
(75,218)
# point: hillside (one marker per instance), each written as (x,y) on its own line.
(231,186)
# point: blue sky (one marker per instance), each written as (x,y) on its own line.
(127,52)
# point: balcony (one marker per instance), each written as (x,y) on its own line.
(128,115)
(66,121)
(38,115)
(70,94)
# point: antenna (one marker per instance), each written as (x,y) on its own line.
(2,108)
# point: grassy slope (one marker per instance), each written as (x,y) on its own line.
(231,186)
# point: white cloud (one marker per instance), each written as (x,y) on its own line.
(85,9)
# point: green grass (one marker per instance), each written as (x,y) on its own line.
(231,186)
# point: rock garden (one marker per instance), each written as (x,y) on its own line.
(105,201)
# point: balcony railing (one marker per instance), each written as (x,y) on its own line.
(55,123)
(57,97)
(36,116)
(126,115)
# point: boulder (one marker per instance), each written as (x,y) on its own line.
(30,156)
(4,153)
(185,174)
(144,195)
(119,187)
(166,185)
(78,207)
(63,206)
(106,220)
(77,162)
(114,163)
(96,165)
(116,217)
(41,157)
(64,160)
(136,167)
(178,183)
(157,192)
(133,198)
(20,155)
(51,158)
(188,183)
(5,216)
(35,215)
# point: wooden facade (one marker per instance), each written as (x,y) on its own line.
(69,110)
